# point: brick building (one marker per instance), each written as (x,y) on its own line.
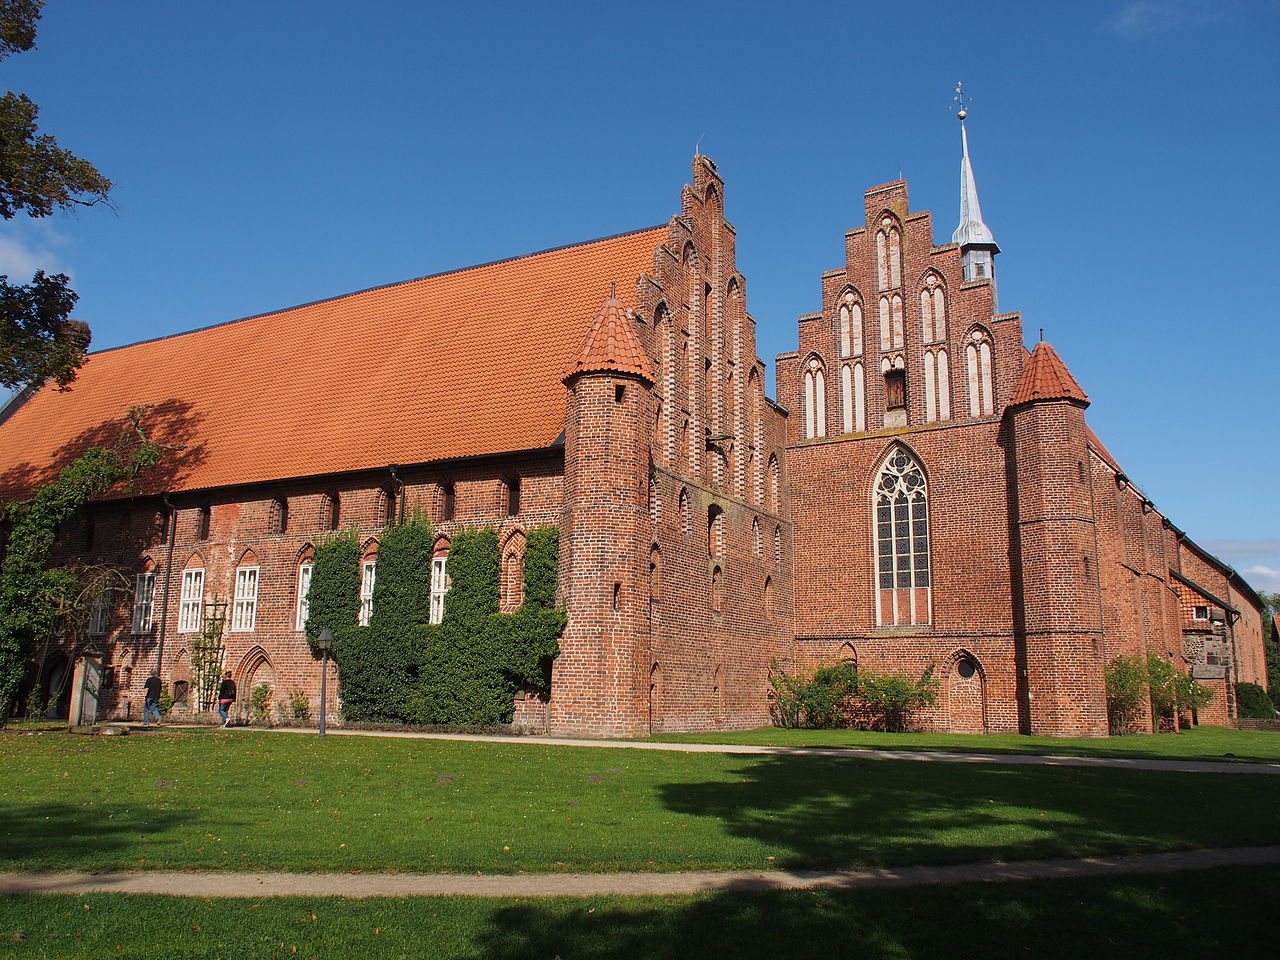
(924,490)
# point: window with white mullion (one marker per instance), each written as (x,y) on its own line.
(144,601)
(439,588)
(304,589)
(367,573)
(98,613)
(902,542)
(191,603)
(244,614)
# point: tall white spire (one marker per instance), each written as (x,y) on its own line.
(977,243)
(971,229)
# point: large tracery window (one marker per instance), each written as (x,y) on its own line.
(902,542)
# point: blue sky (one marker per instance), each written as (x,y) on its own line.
(272,153)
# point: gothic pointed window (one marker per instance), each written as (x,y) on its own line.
(933,310)
(937,386)
(815,400)
(902,542)
(846,397)
(895,309)
(888,254)
(859,397)
(979,363)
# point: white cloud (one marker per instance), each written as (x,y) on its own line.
(23,252)
(1140,19)
(1263,578)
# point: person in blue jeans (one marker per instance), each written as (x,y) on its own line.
(226,697)
(151,702)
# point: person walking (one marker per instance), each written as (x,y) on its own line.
(226,697)
(151,700)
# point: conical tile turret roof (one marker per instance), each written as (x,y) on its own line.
(1046,377)
(611,346)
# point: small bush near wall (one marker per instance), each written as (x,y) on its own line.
(466,670)
(842,695)
(1253,703)
(1126,683)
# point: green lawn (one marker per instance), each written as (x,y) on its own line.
(256,801)
(1199,743)
(1209,914)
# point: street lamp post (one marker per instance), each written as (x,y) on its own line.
(325,643)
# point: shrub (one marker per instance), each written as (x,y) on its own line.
(299,705)
(840,695)
(260,701)
(402,588)
(1161,685)
(891,698)
(1252,702)
(1126,684)
(333,600)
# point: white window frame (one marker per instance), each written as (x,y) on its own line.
(244,612)
(368,573)
(1195,612)
(144,603)
(99,611)
(304,587)
(191,602)
(439,588)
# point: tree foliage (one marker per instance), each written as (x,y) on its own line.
(38,341)
(32,593)
(1253,703)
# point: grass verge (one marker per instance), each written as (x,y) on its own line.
(245,801)
(1200,914)
(1199,743)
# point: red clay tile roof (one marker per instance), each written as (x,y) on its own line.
(1045,377)
(452,365)
(611,345)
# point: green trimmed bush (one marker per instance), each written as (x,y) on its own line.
(402,586)
(1252,702)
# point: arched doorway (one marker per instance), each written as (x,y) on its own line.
(966,695)
(55,687)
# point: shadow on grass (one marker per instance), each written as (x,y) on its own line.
(1207,914)
(817,812)
(49,836)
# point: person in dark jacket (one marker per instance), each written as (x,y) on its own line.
(151,701)
(226,697)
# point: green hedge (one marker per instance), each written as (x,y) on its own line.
(465,671)
(1252,702)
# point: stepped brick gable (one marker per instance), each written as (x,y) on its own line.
(924,494)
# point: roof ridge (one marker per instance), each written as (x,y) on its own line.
(376,287)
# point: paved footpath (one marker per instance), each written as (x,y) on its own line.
(855,753)
(255,885)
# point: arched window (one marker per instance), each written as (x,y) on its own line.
(902,541)
(937,386)
(775,482)
(715,531)
(439,580)
(662,328)
(846,397)
(331,511)
(368,572)
(815,400)
(280,515)
(244,610)
(888,254)
(849,325)
(777,545)
(933,310)
(448,500)
(191,598)
(895,311)
(768,598)
(686,514)
(757,541)
(203,522)
(512,484)
(981,387)
(513,573)
(388,498)
(717,589)
(884,323)
(303,608)
(859,398)
(655,580)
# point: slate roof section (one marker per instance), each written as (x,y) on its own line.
(453,365)
(611,346)
(1045,377)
